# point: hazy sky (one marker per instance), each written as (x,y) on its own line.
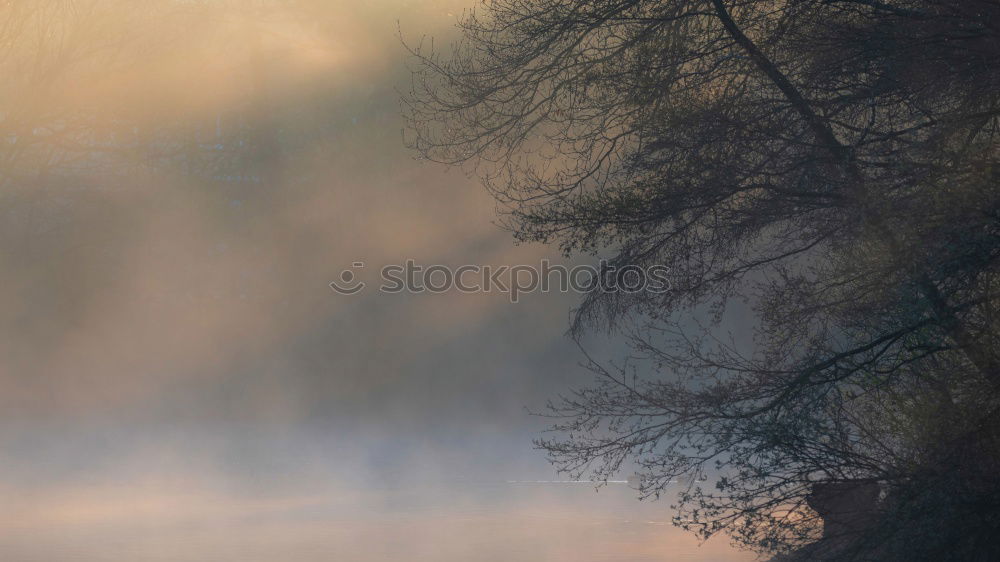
(177,380)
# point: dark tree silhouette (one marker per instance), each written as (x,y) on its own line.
(833,163)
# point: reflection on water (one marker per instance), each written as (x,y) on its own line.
(305,495)
(441,523)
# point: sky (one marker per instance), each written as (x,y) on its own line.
(178,382)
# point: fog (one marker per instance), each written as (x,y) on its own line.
(180,183)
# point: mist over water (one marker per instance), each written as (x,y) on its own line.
(180,183)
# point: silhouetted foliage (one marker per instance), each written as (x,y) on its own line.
(832,163)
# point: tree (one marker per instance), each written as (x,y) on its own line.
(833,163)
